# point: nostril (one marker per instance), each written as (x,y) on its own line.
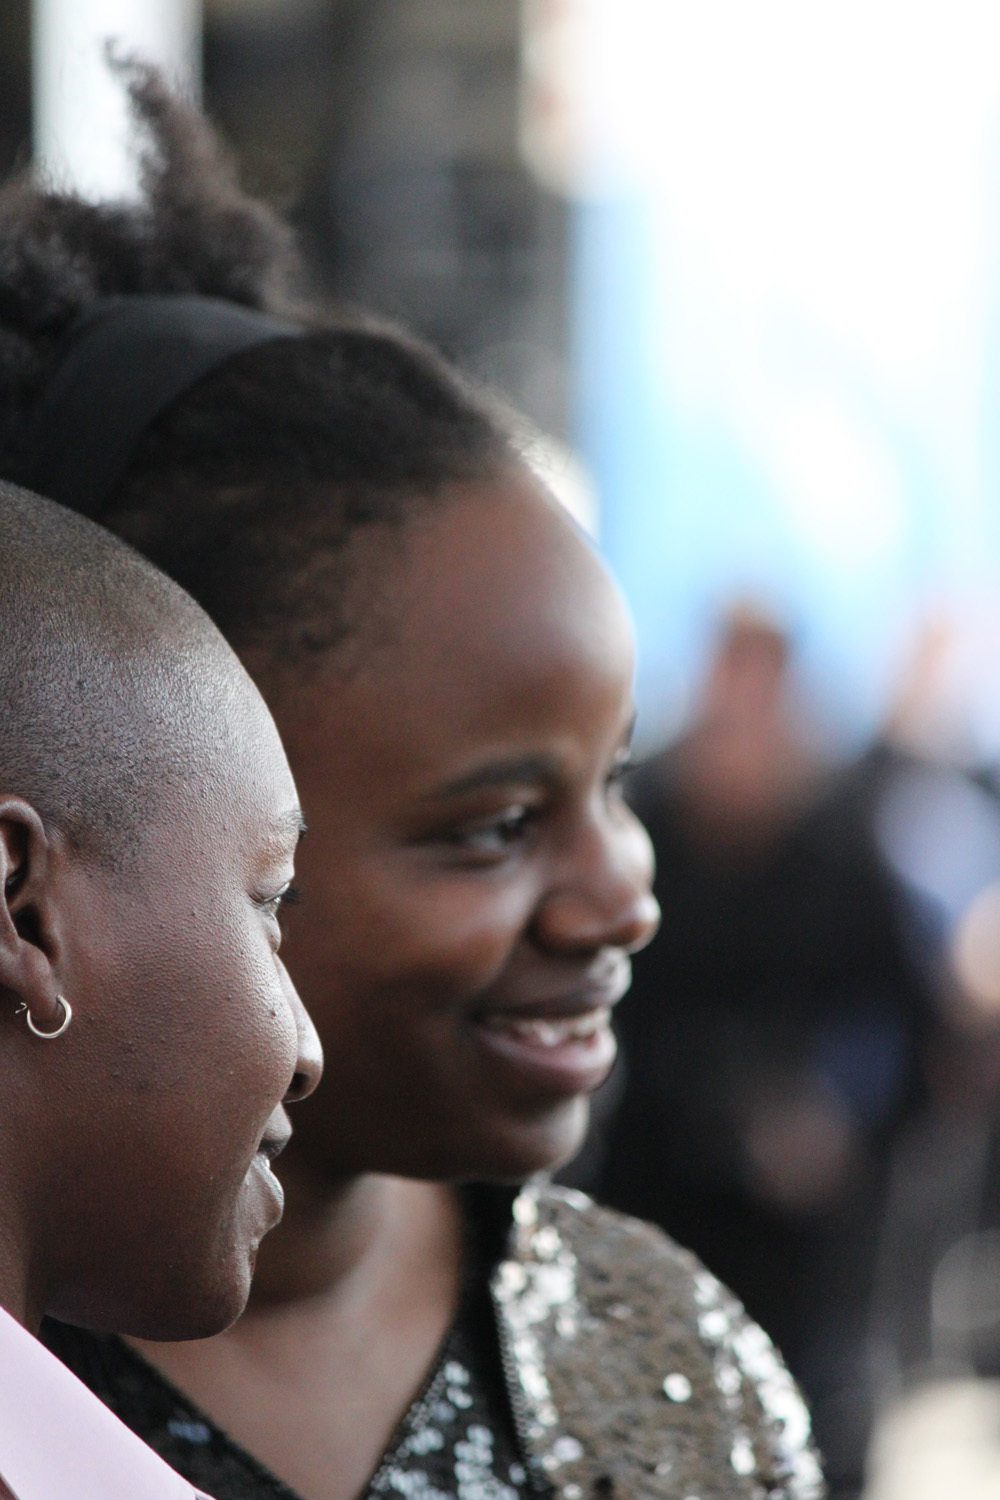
(298,1088)
(304,1080)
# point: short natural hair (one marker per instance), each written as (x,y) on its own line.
(114,684)
(251,487)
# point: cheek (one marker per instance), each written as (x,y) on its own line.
(442,938)
(211,1034)
(257,1039)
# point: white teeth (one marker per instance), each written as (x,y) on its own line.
(542,1033)
(553,1033)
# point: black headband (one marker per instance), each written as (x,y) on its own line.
(127,359)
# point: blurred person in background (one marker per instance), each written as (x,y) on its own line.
(451,667)
(771,1038)
(935,1322)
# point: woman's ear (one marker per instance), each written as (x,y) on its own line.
(29,944)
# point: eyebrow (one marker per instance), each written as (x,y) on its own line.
(291,822)
(520,770)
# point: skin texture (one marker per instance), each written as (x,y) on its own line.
(132,1196)
(470,854)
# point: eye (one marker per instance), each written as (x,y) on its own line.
(489,839)
(621,766)
(289,895)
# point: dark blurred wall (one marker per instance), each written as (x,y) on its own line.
(390,128)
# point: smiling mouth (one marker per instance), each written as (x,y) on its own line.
(550,1048)
(548,1057)
(551,1032)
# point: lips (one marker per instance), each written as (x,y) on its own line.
(554,1032)
(267,1189)
(558,1046)
(271,1147)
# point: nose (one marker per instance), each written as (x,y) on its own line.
(604,897)
(309,1060)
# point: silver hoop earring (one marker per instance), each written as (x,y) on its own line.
(50,1036)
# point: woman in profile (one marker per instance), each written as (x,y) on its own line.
(148,1032)
(451,668)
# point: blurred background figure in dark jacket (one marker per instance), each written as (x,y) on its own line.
(772,1036)
(809,1090)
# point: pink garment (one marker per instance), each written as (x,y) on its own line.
(58,1442)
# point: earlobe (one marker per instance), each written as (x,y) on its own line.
(28,929)
(50,1036)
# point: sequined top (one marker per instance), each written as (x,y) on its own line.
(636,1373)
(609,1363)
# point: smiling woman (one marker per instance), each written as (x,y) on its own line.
(450,667)
(150,1033)
(473,822)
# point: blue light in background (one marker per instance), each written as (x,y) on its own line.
(786,350)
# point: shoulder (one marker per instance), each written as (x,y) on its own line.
(641,1375)
(95,1453)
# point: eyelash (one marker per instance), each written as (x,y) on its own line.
(505,830)
(619,771)
(290,896)
(512,826)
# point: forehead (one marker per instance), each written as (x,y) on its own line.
(257,776)
(500,627)
(236,777)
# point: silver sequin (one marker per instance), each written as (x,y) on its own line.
(576,1284)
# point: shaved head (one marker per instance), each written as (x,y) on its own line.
(148,827)
(115,686)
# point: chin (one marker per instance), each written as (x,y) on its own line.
(517,1150)
(194,1321)
(223,1298)
(162,1319)
(505,1146)
(200,1307)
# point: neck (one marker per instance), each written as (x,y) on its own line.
(330,1229)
